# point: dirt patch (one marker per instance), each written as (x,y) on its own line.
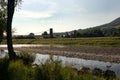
(108,54)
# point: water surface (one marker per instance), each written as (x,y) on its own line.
(77,63)
(74,62)
(31,45)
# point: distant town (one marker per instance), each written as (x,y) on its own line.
(46,35)
(105,30)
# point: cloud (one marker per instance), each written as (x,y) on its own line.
(38,9)
(65,14)
(34,14)
(70,7)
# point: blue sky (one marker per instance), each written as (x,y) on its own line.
(63,15)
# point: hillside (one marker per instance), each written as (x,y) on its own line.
(113,24)
(109,29)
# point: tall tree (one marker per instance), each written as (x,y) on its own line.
(3,15)
(10,13)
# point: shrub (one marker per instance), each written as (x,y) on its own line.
(26,58)
(18,71)
(53,70)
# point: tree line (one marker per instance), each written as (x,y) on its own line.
(93,32)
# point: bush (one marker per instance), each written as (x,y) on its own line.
(52,69)
(18,71)
(26,58)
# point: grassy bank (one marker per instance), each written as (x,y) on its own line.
(96,41)
(23,69)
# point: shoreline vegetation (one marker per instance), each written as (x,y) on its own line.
(23,69)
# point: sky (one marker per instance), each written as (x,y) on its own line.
(36,16)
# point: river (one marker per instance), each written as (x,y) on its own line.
(77,63)
(30,45)
(74,62)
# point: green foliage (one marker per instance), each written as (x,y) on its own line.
(2,20)
(18,71)
(117,33)
(3,15)
(91,32)
(45,35)
(52,69)
(26,58)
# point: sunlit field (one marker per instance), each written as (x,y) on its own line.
(96,41)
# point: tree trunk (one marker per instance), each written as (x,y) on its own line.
(10,12)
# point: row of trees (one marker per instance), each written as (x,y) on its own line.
(93,33)
(30,36)
(90,32)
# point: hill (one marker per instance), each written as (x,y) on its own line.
(113,24)
(109,29)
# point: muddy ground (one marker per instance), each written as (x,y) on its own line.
(111,54)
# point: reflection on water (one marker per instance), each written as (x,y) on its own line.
(2,53)
(32,45)
(76,62)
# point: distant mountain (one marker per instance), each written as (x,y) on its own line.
(114,24)
(107,29)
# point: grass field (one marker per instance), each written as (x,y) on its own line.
(96,41)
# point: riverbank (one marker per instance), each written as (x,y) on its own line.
(50,70)
(107,54)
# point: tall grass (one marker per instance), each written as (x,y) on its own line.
(18,71)
(50,70)
(26,58)
(53,70)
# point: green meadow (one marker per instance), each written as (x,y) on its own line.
(91,41)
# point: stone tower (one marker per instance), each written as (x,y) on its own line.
(51,33)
